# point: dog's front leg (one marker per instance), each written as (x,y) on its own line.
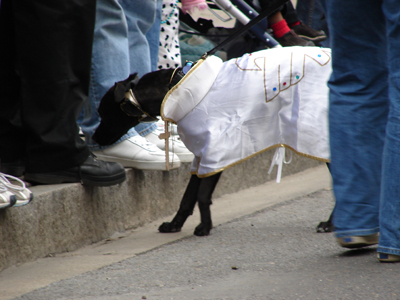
(204,195)
(186,207)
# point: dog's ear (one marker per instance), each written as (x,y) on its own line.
(121,87)
(133,81)
(119,92)
(151,90)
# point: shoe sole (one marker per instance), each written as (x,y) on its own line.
(140,165)
(358,241)
(316,39)
(185,157)
(55,178)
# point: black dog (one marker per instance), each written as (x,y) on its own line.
(121,110)
(132,101)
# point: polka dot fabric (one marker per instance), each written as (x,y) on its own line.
(169,55)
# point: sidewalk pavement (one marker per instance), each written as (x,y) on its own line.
(128,243)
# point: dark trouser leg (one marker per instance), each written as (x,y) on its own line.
(12,138)
(53,42)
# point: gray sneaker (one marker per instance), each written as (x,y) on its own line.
(358,241)
(7,198)
(384,257)
(18,188)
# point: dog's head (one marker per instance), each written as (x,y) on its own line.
(132,101)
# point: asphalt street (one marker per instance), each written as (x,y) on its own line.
(274,253)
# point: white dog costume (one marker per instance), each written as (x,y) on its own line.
(229,112)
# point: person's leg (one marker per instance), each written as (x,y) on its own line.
(140,17)
(12,137)
(118,34)
(153,36)
(54,72)
(299,27)
(357,113)
(289,13)
(54,75)
(311,12)
(144,45)
(169,55)
(283,34)
(144,20)
(110,42)
(389,240)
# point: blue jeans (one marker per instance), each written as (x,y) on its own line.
(126,41)
(364,118)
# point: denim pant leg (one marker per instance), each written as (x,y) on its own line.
(358,113)
(389,240)
(140,17)
(153,37)
(110,42)
(110,63)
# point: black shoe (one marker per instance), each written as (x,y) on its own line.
(292,39)
(92,172)
(309,34)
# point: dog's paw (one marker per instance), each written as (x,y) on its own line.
(325,227)
(202,230)
(168,227)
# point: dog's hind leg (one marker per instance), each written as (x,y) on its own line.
(326,226)
(204,195)
(186,207)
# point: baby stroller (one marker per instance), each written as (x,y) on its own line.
(202,35)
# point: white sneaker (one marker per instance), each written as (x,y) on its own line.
(22,195)
(175,145)
(7,198)
(136,152)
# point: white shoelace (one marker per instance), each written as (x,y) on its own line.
(7,184)
(3,188)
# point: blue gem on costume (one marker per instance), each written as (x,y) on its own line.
(319,55)
(274,89)
(297,76)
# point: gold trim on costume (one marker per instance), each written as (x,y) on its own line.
(194,67)
(254,154)
(279,79)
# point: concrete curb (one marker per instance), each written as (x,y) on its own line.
(64,218)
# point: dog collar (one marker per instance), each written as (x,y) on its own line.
(132,108)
